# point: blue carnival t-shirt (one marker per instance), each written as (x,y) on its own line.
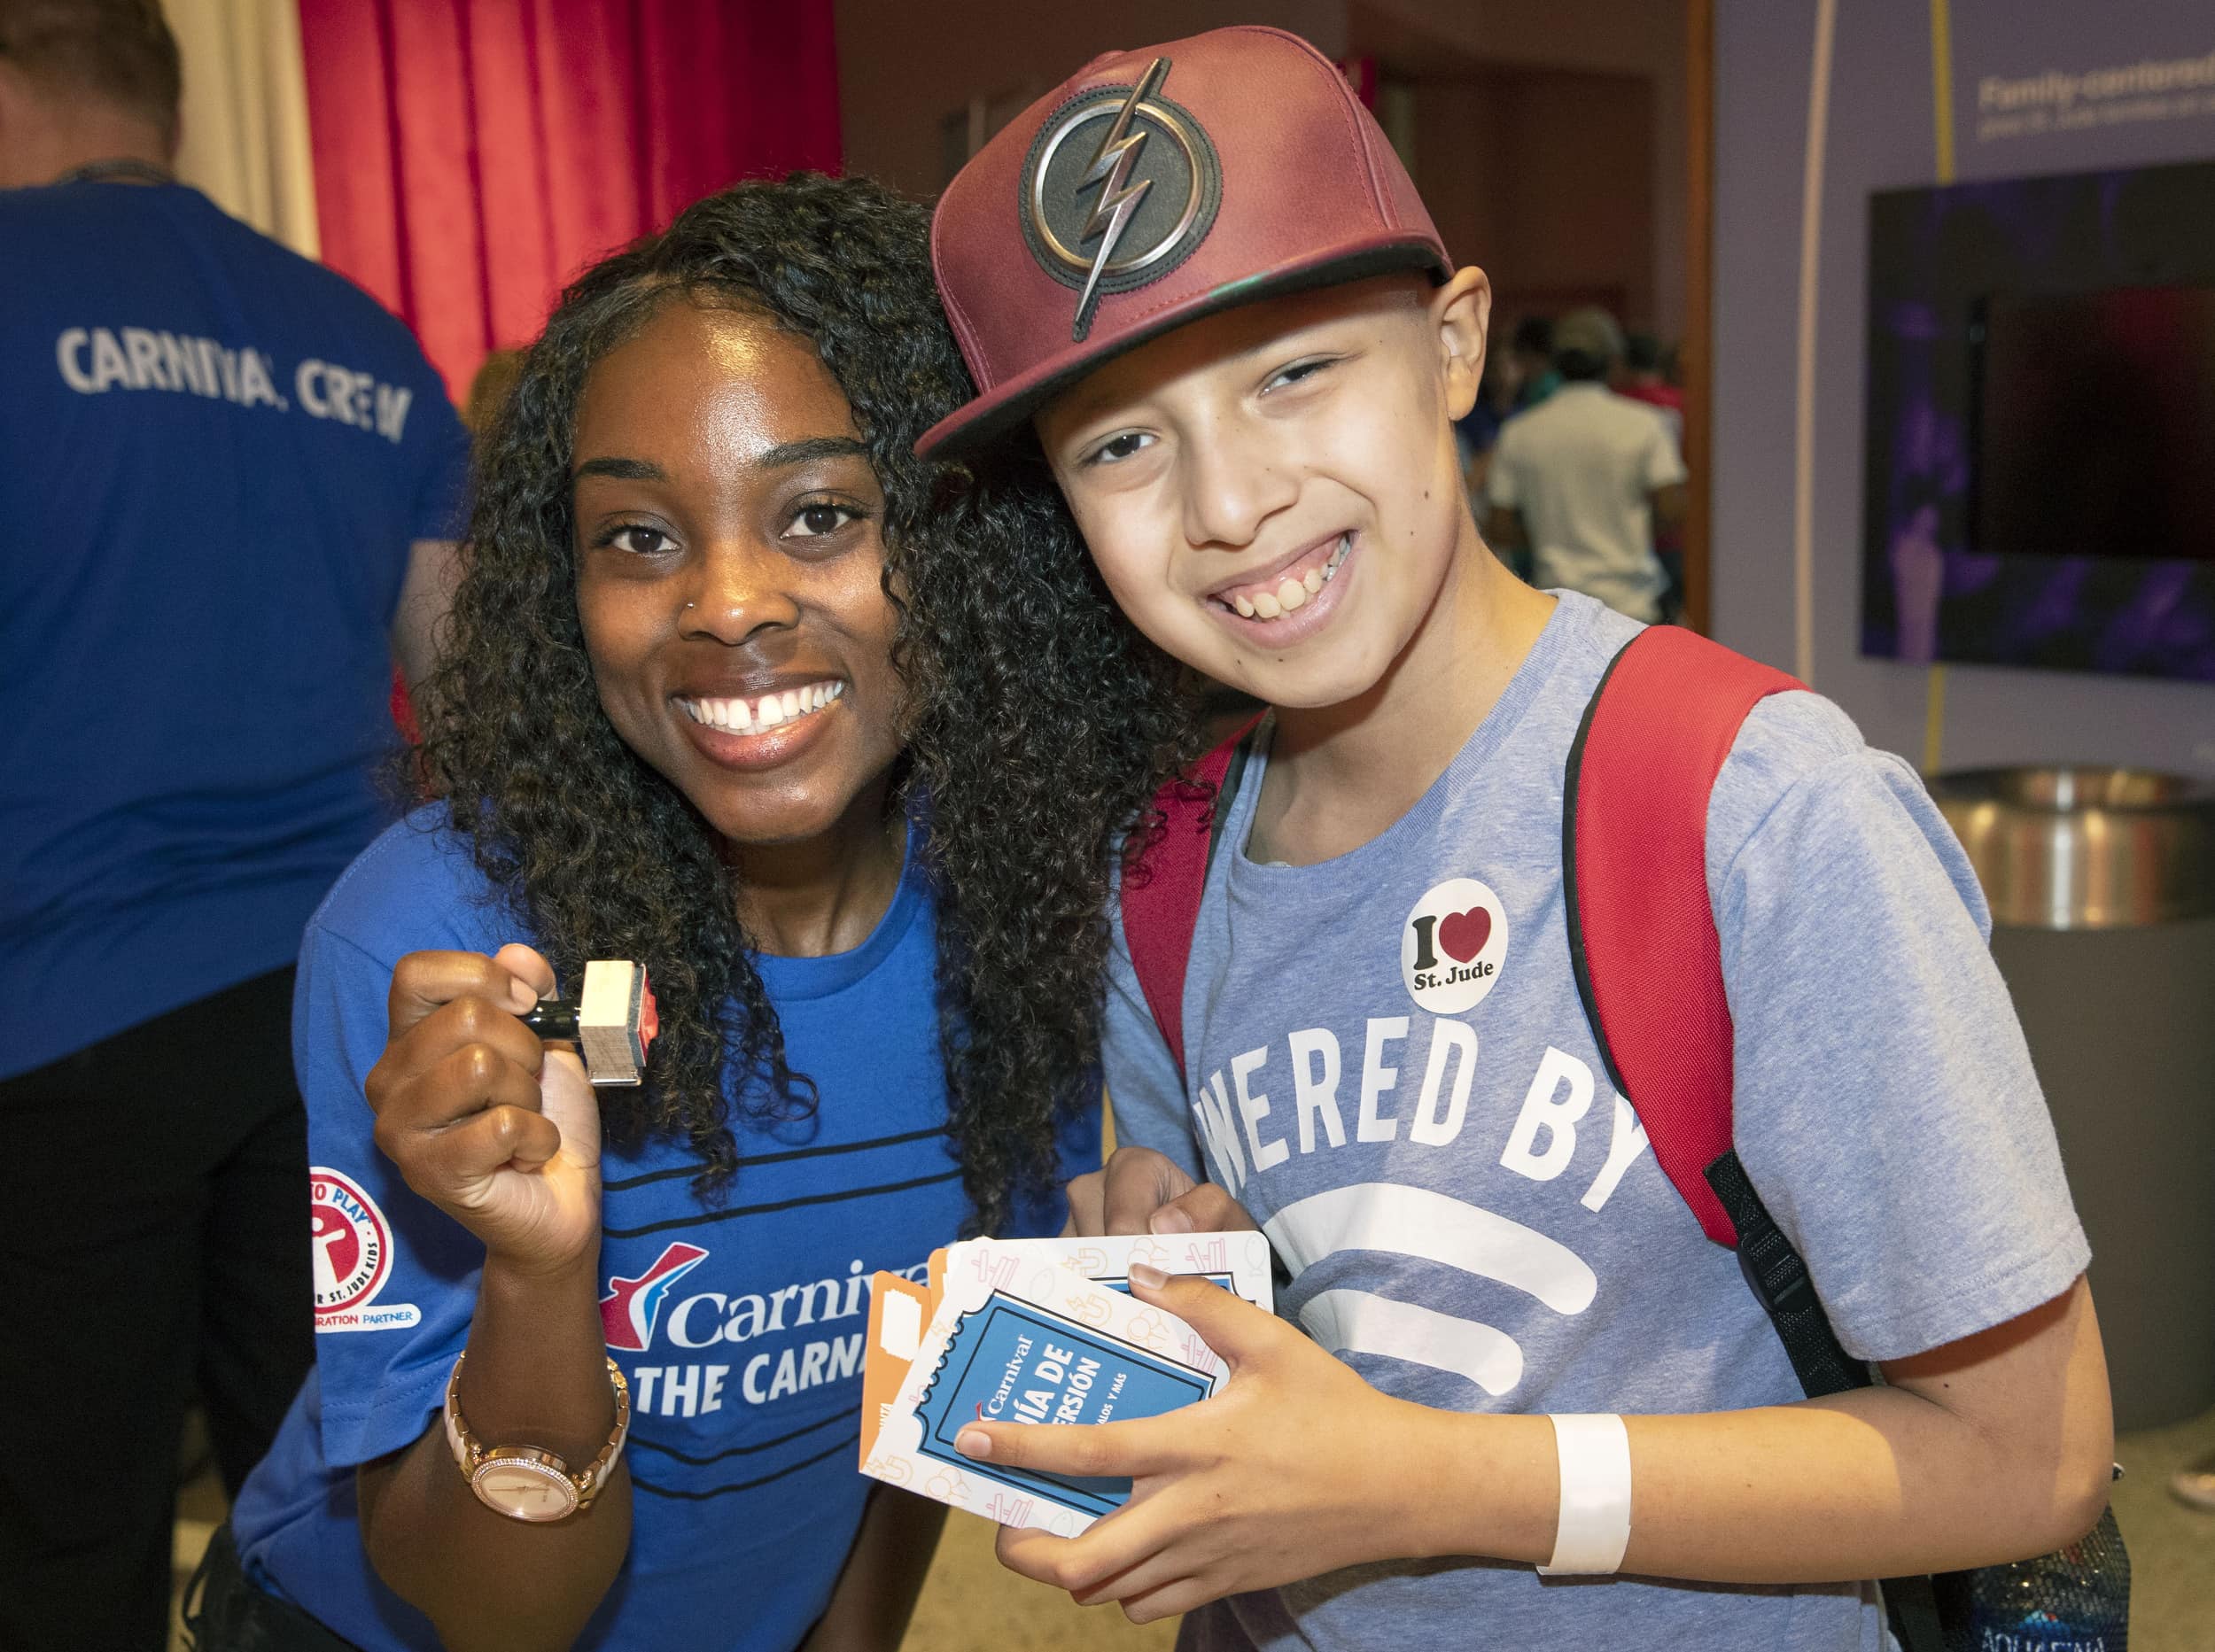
(1389,1066)
(739,1324)
(217,454)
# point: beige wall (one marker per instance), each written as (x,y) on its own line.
(244,140)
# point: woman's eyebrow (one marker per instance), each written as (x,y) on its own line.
(808,451)
(621,469)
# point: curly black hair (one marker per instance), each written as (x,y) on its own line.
(1034,711)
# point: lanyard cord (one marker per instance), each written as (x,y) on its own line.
(118,171)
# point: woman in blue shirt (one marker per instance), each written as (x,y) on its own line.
(737,686)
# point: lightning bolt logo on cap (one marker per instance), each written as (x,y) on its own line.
(1127,209)
(1118,197)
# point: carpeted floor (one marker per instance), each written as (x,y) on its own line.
(2171,1546)
(971,1600)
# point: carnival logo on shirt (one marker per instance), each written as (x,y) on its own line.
(350,1251)
(629,1310)
(1452,946)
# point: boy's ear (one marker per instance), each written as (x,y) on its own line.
(1462,312)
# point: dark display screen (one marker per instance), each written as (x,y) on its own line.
(2094,424)
(2039,478)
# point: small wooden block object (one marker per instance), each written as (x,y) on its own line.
(613,1020)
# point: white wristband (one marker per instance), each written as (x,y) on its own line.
(1595,1524)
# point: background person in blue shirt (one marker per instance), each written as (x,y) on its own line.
(741,688)
(224,509)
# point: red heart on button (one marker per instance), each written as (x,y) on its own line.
(1462,935)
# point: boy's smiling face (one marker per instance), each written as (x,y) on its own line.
(1272,494)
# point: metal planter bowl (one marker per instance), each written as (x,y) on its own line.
(2083,848)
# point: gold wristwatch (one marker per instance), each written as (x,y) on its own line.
(523,1482)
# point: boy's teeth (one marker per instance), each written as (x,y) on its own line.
(1293,593)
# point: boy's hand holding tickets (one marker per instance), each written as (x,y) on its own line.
(1296,1467)
(1259,1486)
(483,1119)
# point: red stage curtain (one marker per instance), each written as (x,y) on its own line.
(473,155)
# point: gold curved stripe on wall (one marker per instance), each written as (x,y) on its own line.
(1804,401)
(1942,127)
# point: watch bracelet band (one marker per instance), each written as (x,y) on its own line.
(469,1453)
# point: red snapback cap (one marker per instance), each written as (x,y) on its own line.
(1150,189)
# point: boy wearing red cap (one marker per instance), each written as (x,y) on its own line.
(1198,277)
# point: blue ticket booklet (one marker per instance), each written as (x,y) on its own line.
(1021,1337)
(1014,1362)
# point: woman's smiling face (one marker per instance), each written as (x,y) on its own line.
(729,572)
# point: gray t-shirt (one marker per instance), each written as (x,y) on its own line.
(1389,1067)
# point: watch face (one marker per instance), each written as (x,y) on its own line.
(525,1490)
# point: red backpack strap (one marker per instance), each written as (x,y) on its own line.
(1162,891)
(1648,967)
(1633,859)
